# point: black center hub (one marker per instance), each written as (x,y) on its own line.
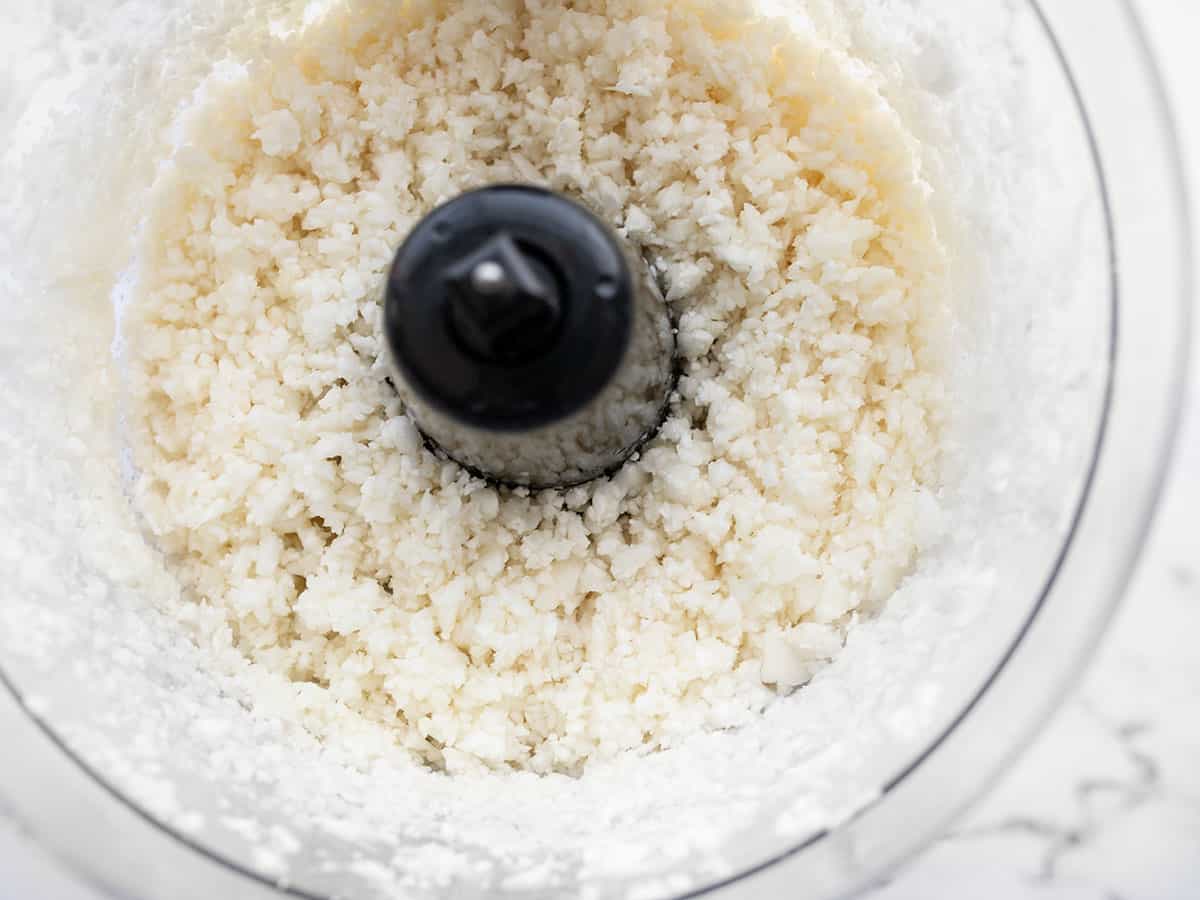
(529,343)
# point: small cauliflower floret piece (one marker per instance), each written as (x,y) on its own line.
(336,602)
(791,658)
(278,133)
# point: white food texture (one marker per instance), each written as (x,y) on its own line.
(783,201)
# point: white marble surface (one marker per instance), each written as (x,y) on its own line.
(1106,803)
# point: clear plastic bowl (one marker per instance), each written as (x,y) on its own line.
(148,774)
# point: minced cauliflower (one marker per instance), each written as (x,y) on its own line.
(782,199)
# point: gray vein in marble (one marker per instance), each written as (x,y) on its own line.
(1098,802)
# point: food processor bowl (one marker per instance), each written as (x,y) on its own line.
(157,774)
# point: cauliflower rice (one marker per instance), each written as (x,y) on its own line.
(789,491)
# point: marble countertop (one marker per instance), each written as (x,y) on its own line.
(1105,805)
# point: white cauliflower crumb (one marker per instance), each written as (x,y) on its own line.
(279,134)
(790,489)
